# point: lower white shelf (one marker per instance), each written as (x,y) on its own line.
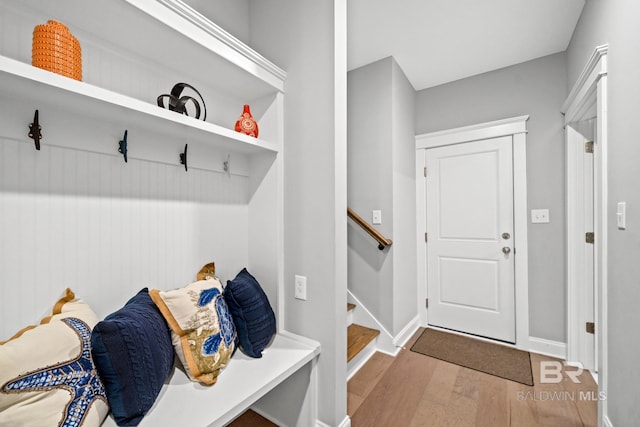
(241,383)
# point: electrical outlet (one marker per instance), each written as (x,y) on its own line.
(539,216)
(301,287)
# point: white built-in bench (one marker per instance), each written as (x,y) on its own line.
(243,382)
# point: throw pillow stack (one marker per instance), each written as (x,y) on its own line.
(70,369)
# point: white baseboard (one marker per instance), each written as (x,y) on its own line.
(606,422)
(548,347)
(345,423)
(407,332)
(386,343)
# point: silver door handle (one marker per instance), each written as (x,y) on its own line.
(506,250)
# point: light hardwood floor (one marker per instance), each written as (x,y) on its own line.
(416,390)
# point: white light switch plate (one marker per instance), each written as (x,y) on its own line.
(301,287)
(621,215)
(539,216)
(377,217)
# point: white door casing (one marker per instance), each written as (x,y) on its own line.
(470,260)
(516,128)
(587,100)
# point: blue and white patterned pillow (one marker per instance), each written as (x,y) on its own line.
(47,375)
(202,330)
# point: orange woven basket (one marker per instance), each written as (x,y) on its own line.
(55,49)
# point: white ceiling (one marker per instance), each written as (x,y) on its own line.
(439,41)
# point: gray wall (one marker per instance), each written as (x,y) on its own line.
(404,200)
(304,39)
(537,88)
(232,15)
(370,186)
(616,22)
(381,160)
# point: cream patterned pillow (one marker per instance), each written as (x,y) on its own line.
(47,375)
(202,330)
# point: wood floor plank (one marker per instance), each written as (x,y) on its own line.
(361,384)
(468,383)
(461,411)
(430,414)
(395,399)
(522,410)
(440,387)
(554,405)
(353,403)
(584,394)
(493,401)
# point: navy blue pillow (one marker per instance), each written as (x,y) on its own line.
(251,313)
(133,354)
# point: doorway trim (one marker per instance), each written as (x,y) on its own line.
(588,97)
(515,127)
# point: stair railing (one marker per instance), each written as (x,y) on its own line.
(383,242)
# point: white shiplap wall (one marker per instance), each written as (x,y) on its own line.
(88,221)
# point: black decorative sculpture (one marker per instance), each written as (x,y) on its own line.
(178,103)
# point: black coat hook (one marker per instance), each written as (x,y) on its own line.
(183,157)
(34,131)
(122,146)
(226,165)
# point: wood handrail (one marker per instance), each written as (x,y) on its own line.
(383,242)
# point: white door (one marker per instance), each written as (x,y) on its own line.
(583,145)
(470,255)
(589,342)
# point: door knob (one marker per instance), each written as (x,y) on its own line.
(506,250)
(506,236)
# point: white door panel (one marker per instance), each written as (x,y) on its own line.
(454,272)
(469,207)
(458,205)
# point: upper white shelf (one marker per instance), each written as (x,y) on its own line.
(26,82)
(172,34)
